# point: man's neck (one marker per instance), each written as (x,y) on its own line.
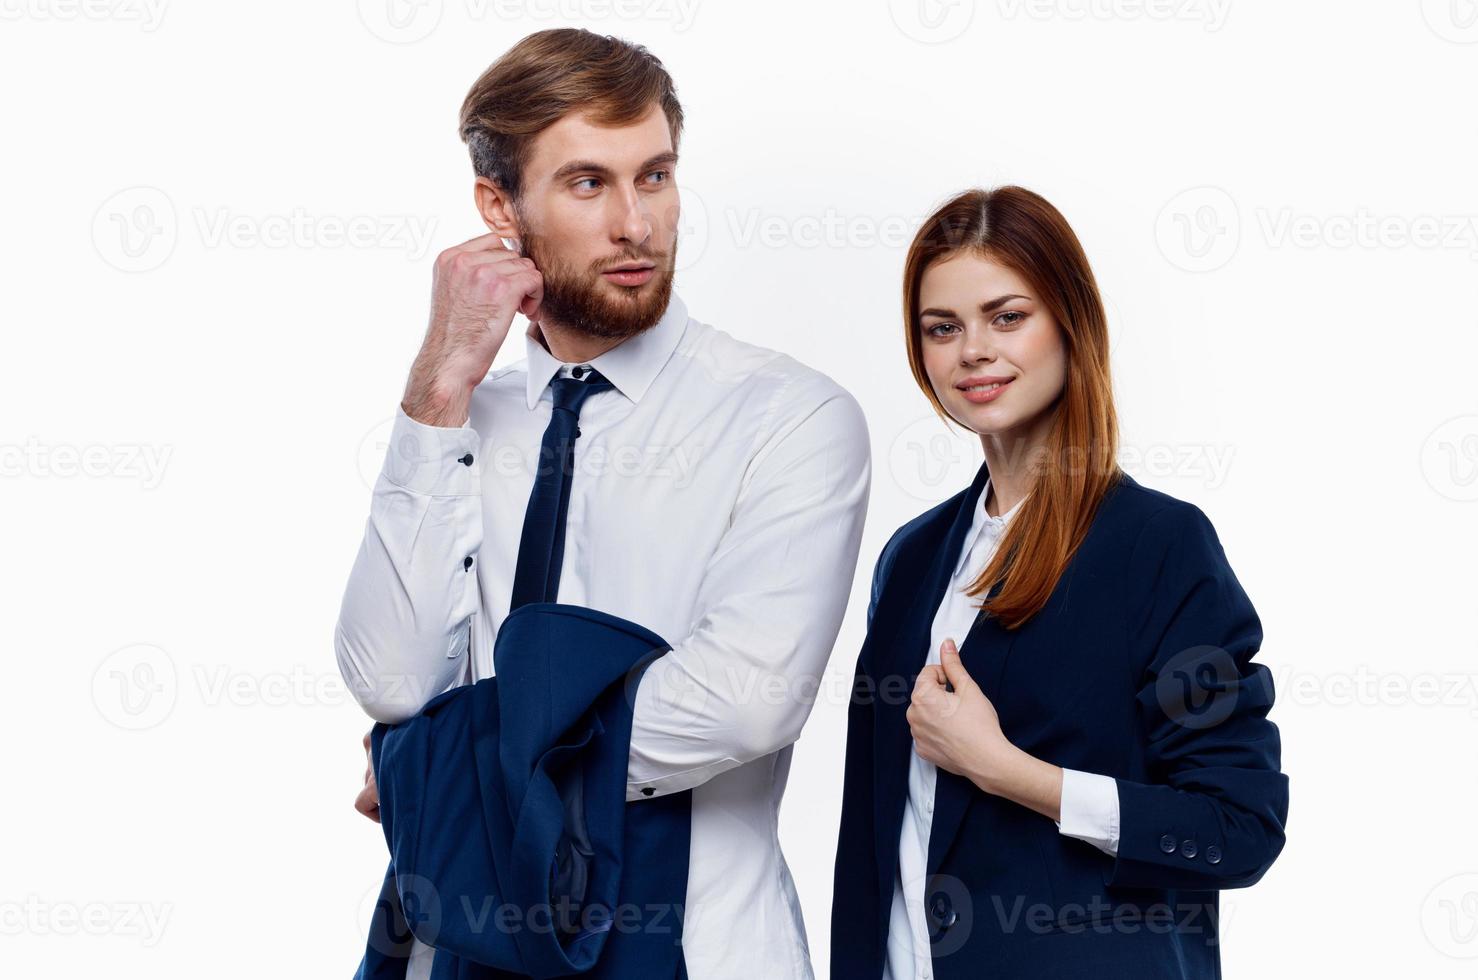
(572,346)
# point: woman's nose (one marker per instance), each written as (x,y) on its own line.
(977,348)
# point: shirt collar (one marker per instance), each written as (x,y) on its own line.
(631,365)
(981,523)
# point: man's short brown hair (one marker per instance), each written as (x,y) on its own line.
(545,77)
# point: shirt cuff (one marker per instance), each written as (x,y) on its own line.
(1090,809)
(432,459)
(645,789)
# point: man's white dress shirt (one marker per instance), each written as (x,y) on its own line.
(1090,802)
(718,499)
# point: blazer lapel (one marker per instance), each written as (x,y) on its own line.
(923,569)
(984,653)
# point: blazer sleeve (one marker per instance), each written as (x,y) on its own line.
(1212,811)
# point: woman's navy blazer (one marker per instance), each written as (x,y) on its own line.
(1138,667)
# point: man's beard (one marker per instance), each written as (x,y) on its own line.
(583,302)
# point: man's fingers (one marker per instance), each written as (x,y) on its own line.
(503,263)
(457,265)
(492,241)
(368,803)
(368,800)
(529,306)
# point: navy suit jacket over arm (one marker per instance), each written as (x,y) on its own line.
(1140,667)
(513,849)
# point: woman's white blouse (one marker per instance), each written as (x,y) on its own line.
(1090,802)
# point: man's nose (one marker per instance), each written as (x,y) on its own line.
(636,222)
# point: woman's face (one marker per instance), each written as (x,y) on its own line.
(981,326)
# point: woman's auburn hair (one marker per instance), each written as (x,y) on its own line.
(1078,466)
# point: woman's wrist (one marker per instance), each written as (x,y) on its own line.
(1020,777)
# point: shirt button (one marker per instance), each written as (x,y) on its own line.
(466,563)
(1189,848)
(466,460)
(578,372)
(1213,854)
(1167,844)
(647,791)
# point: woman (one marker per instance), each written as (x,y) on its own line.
(1084,758)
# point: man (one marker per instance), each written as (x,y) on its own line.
(718,488)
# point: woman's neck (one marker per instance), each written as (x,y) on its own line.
(1011,459)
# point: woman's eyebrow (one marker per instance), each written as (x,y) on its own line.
(999,302)
(989,306)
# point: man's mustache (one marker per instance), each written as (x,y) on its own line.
(631,255)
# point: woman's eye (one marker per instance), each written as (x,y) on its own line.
(939,329)
(1010,318)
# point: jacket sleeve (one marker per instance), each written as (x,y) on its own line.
(1212,812)
(741,684)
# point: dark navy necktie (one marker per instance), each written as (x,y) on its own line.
(541,548)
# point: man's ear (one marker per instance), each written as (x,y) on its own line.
(496,208)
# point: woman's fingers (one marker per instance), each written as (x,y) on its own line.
(930,677)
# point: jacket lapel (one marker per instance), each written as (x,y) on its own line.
(921,571)
(984,653)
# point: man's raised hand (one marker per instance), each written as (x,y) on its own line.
(477,286)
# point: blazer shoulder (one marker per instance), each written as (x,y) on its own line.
(1147,509)
(912,539)
(1164,528)
(922,530)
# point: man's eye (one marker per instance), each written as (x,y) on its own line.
(592,182)
(659,176)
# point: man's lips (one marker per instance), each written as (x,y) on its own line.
(631,274)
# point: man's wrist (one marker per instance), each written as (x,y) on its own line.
(440,405)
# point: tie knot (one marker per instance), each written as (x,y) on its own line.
(570,393)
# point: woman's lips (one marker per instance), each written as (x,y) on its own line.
(981,397)
(629,277)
